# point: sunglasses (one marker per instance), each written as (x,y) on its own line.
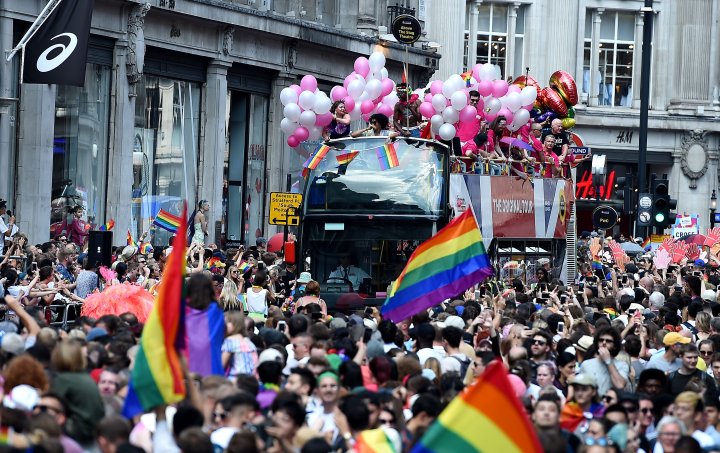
(386,421)
(220,415)
(539,342)
(646,410)
(44,408)
(607,398)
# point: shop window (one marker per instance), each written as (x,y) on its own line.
(165,151)
(80,148)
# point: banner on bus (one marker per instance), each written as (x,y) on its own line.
(507,207)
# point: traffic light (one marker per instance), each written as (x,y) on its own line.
(624,191)
(662,217)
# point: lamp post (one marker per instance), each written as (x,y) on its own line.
(713,207)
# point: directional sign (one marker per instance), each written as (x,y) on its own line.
(285,208)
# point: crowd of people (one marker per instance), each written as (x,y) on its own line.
(625,358)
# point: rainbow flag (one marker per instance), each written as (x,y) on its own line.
(387,156)
(487,416)
(157,377)
(645,243)
(109,225)
(443,266)
(376,441)
(344,159)
(146,248)
(244,267)
(205,331)
(130,240)
(167,221)
(316,157)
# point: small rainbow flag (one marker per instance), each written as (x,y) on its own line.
(316,157)
(167,221)
(487,416)
(109,225)
(130,240)
(376,441)
(387,156)
(443,266)
(645,243)
(244,267)
(467,77)
(146,248)
(344,159)
(157,377)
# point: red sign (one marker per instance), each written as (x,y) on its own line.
(513,208)
(584,187)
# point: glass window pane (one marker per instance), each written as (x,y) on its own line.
(519,62)
(80,151)
(255,181)
(484,18)
(167,121)
(520,21)
(588,25)
(468,9)
(626,27)
(499,19)
(483,49)
(586,68)
(607,27)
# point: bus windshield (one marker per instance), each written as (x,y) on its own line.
(365,186)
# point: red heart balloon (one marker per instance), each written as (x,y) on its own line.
(530,81)
(565,86)
(554,102)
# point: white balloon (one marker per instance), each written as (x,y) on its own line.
(356,114)
(512,102)
(292,112)
(521,118)
(288,96)
(356,88)
(448,89)
(322,104)
(528,95)
(315,132)
(373,88)
(377,61)
(307,100)
(384,73)
(456,82)
(391,99)
(447,131)
(458,100)
(487,72)
(307,118)
(288,126)
(450,115)
(436,121)
(439,102)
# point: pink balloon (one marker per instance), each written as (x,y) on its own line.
(490,116)
(426,109)
(467,114)
(528,107)
(428,97)
(485,88)
(349,79)
(503,112)
(476,72)
(500,88)
(308,83)
(338,93)
(366,117)
(362,66)
(387,86)
(302,134)
(436,87)
(296,89)
(386,110)
(514,89)
(323,119)
(293,141)
(349,104)
(367,107)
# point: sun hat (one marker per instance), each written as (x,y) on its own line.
(305,277)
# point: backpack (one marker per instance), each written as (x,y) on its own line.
(690,327)
(464,365)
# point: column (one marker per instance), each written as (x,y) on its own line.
(278,153)
(121,147)
(714,79)
(212,151)
(366,17)
(8,115)
(637,59)
(34,167)
(510,45)
(595,57)
(472,35)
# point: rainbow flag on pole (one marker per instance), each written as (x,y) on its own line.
(442,267)
(157,377)
(387,156)
(344,159)
(109,225)
(130,240)
(378,441)
(315,159)
(167,221)
(487,416)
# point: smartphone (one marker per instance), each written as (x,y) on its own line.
(281,326)
(563,298)
(560,327)
(33,266)
(368,311)
(697,273)
(545,295)
(477,295)
(624,278)
(367,335)
(316,316)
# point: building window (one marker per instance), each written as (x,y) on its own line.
(165,153)
(80,149)
(614,72)
(492,38)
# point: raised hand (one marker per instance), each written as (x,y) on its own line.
(621,261)
(679,251)
(712,237)
(617,252)
(595,247)
(662,259)
(692,252)
(668,244)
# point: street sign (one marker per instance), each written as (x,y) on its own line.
(605,217)
(644,215)
(406,29)
(285,208)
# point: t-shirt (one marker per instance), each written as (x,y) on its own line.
(451,363)
(597,369)
(426,353)
(561,139)
(658,362)
(221,436)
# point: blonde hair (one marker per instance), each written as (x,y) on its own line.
(228,296)
(702,322)
(67,356)
(237,319)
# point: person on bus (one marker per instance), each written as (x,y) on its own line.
(378,128)
(349,272)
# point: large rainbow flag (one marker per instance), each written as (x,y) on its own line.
(167,221)
(157,377)
(442,267)
(486,417)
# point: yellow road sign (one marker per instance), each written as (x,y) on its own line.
(285,208)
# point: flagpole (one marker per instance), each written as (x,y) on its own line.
(44,14)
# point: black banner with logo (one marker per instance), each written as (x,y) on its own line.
(57,52)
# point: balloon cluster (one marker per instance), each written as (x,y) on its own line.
(307,111)
(446,104)
(554,101)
